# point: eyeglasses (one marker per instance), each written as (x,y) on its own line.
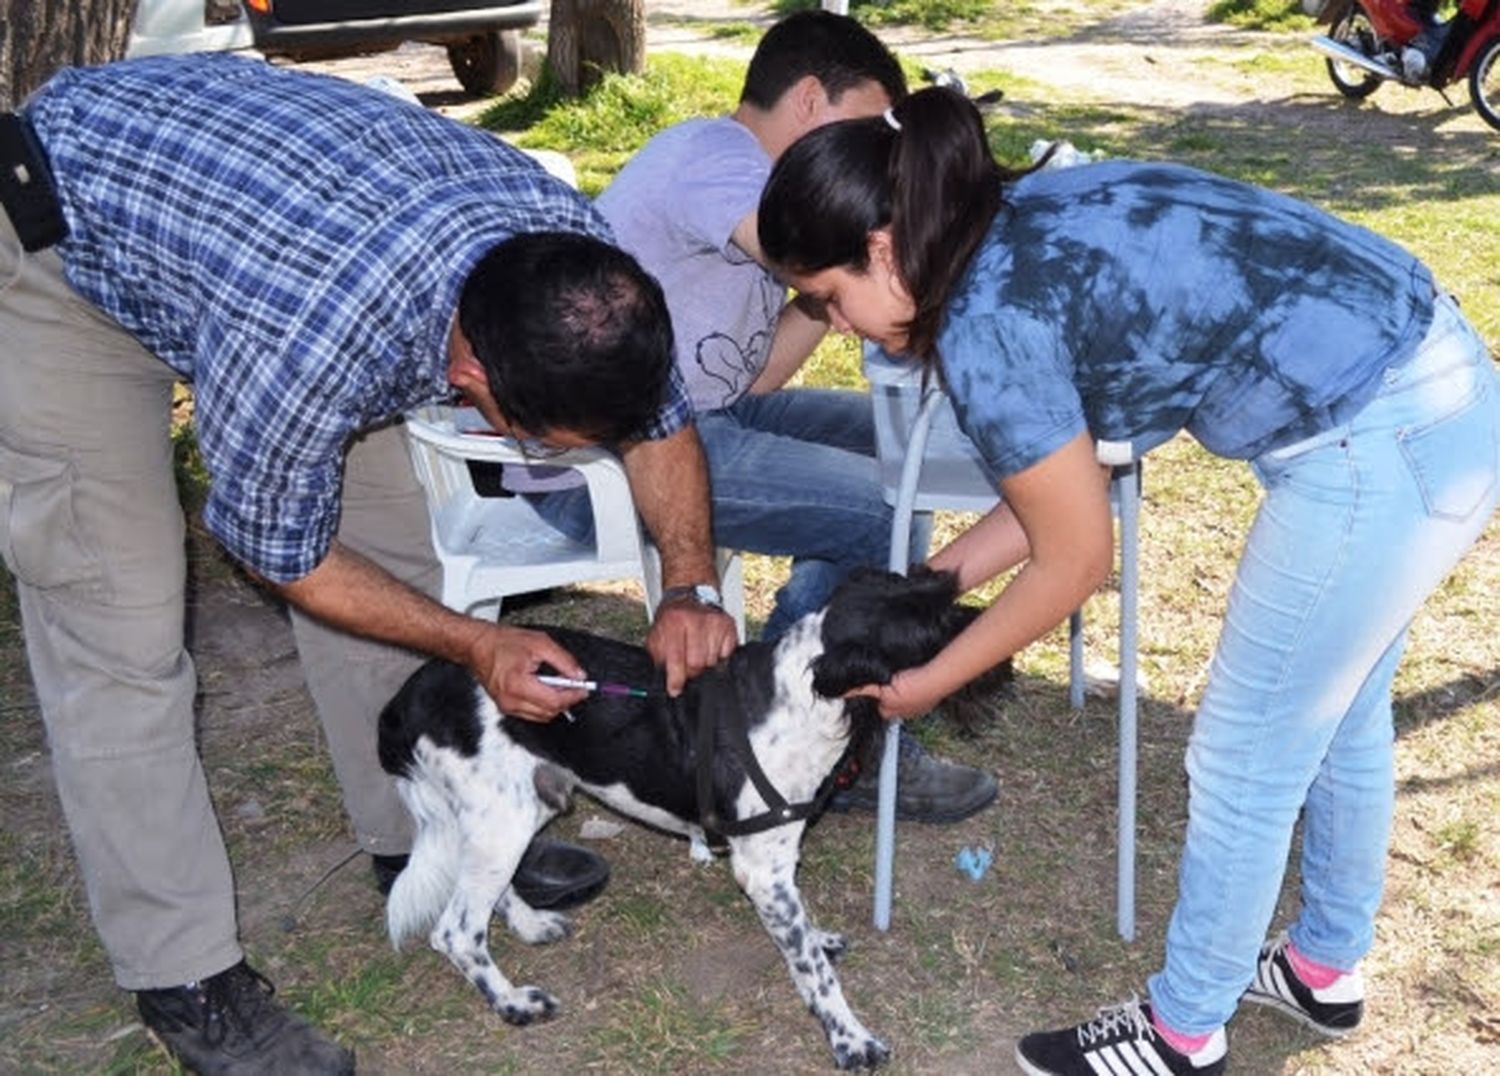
(531,448)
(538,451)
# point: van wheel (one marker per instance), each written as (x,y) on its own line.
(487,64)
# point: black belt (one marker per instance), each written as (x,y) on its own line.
(26,189)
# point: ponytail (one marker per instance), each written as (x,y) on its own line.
(945,191)
(924,170)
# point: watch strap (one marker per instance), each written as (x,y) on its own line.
(702,593)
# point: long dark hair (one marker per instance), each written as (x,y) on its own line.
(933,183)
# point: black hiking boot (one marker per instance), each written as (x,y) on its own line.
(227,1024)
(927,789)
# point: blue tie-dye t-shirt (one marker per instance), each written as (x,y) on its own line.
(1135,300)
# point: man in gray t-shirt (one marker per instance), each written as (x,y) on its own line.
(792,470)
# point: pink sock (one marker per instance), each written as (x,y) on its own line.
(1318,976)
(1187,1045)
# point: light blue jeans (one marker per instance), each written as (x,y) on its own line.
(1356,528)
(792,473)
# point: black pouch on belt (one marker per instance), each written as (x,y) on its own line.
(26,186)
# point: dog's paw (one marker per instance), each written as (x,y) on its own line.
(527,1005)
(537,926)
(834,946)
(861,1053)
(698,850)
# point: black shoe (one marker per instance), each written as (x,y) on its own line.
(552,874)
(1335,1010)
(228,1024)
(1118,1040)
(927,789)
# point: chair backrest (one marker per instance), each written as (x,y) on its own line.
(953,475)
(494,546)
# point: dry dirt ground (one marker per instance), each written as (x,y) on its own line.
(253,690)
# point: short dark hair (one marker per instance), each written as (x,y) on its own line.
(933,182)
(835,49)
(573,335)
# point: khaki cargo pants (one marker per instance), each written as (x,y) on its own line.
(91,530)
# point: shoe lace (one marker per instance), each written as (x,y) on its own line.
(1126,1020)
(232,1000)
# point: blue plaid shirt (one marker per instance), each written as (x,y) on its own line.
(294,246)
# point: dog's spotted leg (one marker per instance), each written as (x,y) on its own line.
(765,865)
(462,935)
(497,820)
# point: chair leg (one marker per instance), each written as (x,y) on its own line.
(1075,659)
(901,516)
(1129,501)
(885,827)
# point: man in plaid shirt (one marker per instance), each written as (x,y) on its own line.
(314,257)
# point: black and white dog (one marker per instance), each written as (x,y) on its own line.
(743,753)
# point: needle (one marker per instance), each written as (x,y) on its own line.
(593,685)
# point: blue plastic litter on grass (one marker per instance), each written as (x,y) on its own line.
(973,862)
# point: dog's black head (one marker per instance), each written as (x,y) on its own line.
(879,623)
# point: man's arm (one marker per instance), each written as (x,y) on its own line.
(797,333)
(351,592)
(669,483)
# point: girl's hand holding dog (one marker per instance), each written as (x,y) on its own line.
(911,693)
(507,661)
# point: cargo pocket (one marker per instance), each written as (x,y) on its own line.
(39,537)
(1453,459)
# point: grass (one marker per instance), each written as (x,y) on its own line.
(1261,14)
(669,971)
(601,131)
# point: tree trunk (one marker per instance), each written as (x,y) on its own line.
(588,38)
(39,36)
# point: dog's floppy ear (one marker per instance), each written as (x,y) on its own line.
(878,623)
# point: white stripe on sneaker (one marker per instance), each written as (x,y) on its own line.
(1132,1058)
(1279,985)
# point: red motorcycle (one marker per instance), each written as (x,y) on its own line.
(1375,41)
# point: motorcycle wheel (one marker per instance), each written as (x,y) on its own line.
(1354,30)
(1484,82)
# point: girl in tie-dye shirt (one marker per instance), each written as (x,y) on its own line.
(1126,302)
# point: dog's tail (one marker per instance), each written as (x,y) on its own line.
(424,887)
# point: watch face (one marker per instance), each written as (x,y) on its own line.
(708,595)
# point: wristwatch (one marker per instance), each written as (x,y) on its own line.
(702,593)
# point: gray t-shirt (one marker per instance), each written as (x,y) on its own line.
(675,206)
(1136,300)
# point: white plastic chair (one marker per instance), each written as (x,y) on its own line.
(927,464)
(493,547)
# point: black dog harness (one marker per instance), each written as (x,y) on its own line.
(779,812)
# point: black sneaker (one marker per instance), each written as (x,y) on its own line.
(1119,1040)
(228,1024)
(1335,1010)
(927,789)
(553,874)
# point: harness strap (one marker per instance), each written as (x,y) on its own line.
(779,812)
